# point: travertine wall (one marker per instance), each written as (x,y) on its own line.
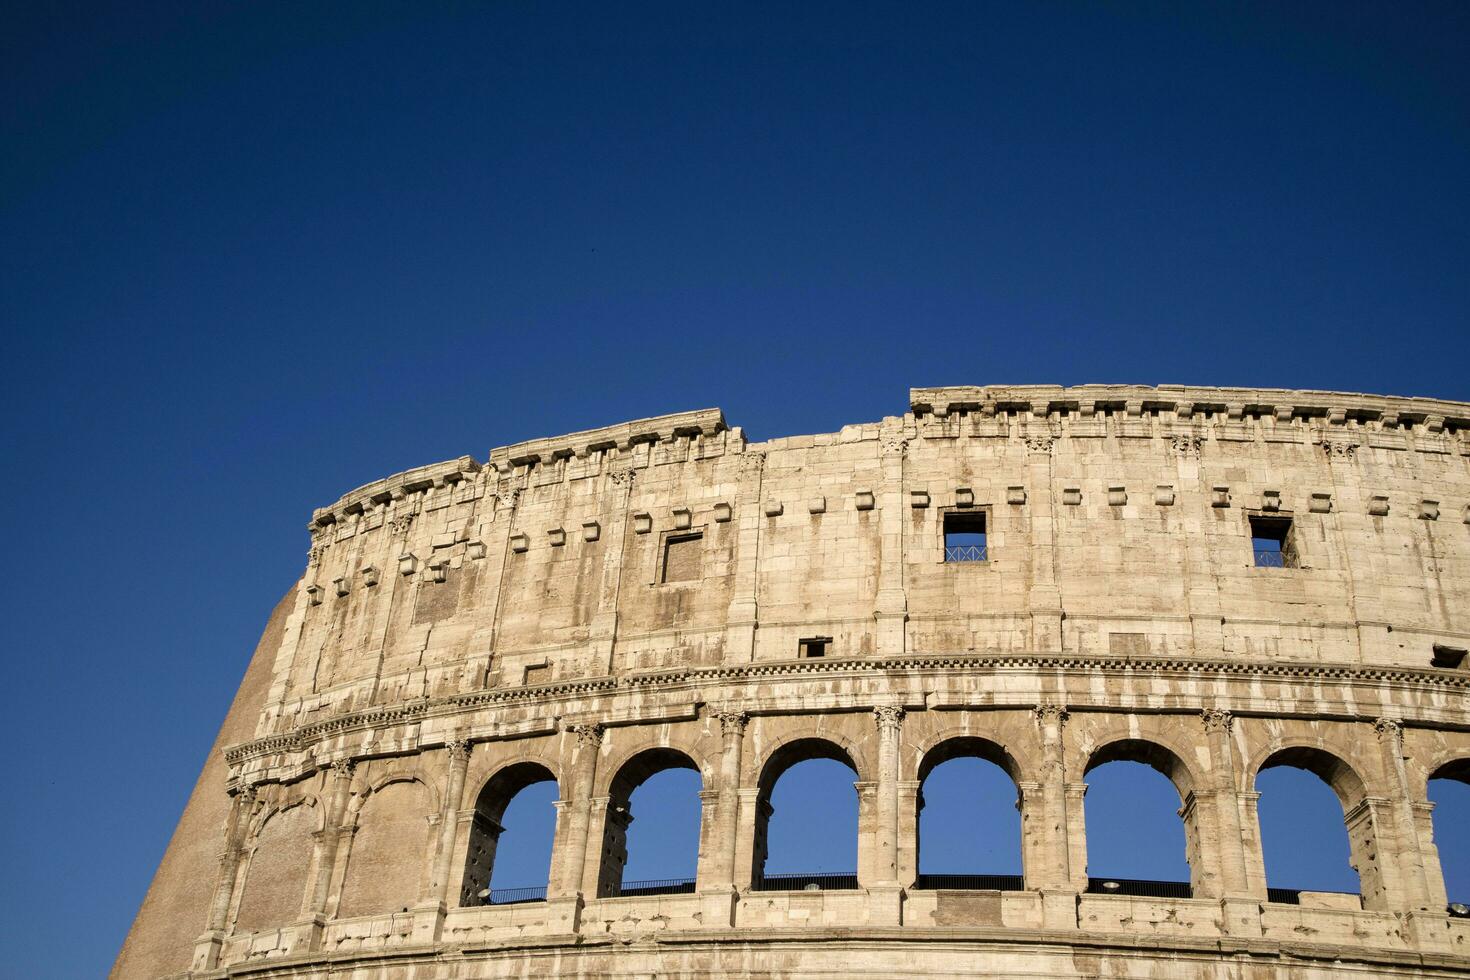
(464,629)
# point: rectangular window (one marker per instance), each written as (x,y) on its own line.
(1447,656)
(964,536)
(1271,542)
(682,554)
(815,646)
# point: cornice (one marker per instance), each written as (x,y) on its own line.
(1284,403)
(300,738)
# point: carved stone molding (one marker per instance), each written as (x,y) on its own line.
(589,735)
(1185,444)
(1217,720)
(1050,714)
(732,721)
(1388,728)
(890,717)
(1040,445)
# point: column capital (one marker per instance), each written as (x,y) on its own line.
(589,734)
(890,718)
(1217,720)
(458,748)
(1050,713)
(732,721)
(1388,729)
(342,768)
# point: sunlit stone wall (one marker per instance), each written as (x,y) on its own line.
(593,607)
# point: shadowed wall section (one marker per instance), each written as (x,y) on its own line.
(174,911)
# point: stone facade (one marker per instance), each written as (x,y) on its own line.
(593,607)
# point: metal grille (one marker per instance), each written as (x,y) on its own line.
(1284,896)
(1269,558)
(658,886)
(1139,887)
(804,882)
(1003,883)
(964,552)
(513,896)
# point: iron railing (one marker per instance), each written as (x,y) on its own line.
(1139,887)
(514,896)
(657,886)
(964,552)
(1269,558)
(1002,883)
(1284,896)
(805,882)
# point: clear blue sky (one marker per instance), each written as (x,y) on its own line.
(253,255)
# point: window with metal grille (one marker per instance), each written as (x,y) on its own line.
(1271,542)
(964,536)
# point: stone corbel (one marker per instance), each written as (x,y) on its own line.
(370,575)
(864,500)
(723,513)
(1378,506)
(1164,495)
(683,519)
(1016,495)
(1117,496)
(407,564)
(591,530)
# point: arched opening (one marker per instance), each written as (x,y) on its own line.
(1141,838)
(1316,828)
(1449,791)
(659,854)
(515,807)
(806,820)
(969,817)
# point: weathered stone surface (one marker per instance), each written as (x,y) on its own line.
(450,642)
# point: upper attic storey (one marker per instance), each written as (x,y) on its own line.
(1189,402)
(698,434)
(703,433)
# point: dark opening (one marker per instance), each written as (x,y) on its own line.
(1271,542)
(964,536)
(815,646)
(1447,656)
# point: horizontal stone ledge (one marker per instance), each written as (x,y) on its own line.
(301,738)
(907,939)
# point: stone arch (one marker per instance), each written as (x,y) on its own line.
(379,782)
(632,770)
(1346,777)
(1446,884)
(494,795)
(785,753)
(277,863)
(1019,765)
(1352,793)
(838,747)
(387,858)
(961,743)
(1159,754)
(609,771)
(1451,765)
(1156,752)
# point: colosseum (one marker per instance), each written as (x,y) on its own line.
(1211,581)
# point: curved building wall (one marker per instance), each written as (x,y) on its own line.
(590,607)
